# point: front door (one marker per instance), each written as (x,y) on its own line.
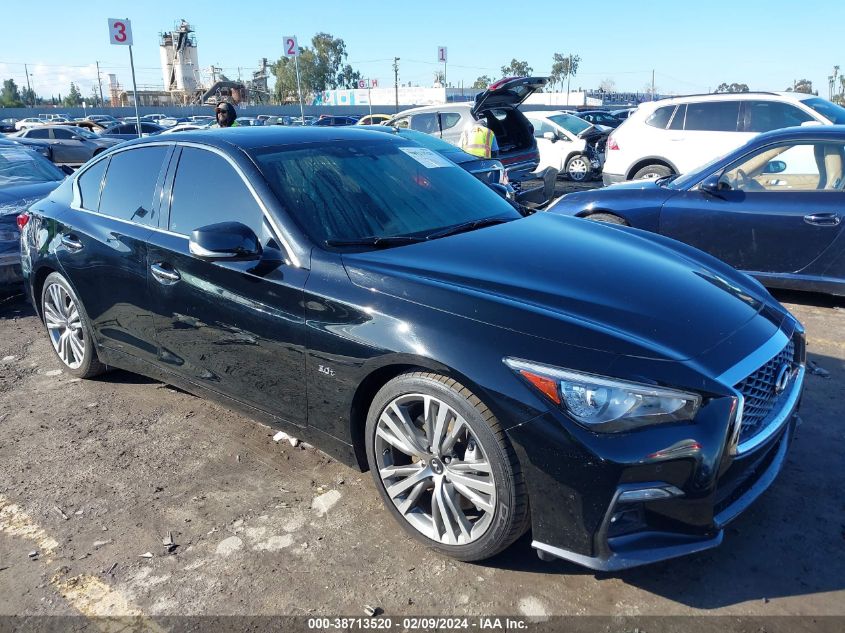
(235,327)
(777,211)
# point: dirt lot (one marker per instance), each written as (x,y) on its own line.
(96,474)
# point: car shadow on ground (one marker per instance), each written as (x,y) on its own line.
(809,299)
(790,542)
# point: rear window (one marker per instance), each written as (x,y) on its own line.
(716,116)
(449,119)
(89,185)
(660,117)
(131,183)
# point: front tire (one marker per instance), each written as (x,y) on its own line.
(444,468)
(69,328)
(578,168)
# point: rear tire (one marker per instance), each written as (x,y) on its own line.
(69,328)
(434,444)
(653,172)
(579,168)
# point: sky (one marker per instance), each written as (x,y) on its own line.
(690,46)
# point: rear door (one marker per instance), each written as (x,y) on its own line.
(103,247)
(781,208)
(235,327)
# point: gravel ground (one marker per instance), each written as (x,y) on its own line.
(99,477)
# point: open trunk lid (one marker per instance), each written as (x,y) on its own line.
(510,91)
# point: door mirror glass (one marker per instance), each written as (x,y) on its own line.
(550,136)
(226,240)
(775,167)
(712,185)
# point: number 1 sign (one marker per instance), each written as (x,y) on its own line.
(120,32)
(291,47)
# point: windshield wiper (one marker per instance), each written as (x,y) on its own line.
(466,226)
(376,241)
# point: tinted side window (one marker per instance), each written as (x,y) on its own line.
(131,183)
(401,123)
(660,117)
(89,185)
(677,122)
(719,116)
(449,119)
(762,116)
(38,134)
(64,135)
(148,128)
(426,122)
(208,190)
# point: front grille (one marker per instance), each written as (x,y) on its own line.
(761,400)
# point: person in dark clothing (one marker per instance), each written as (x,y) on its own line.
(226,115)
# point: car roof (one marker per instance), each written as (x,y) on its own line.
(733,96)
(249,137)
(465,105)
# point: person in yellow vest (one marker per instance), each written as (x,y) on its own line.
(479,140)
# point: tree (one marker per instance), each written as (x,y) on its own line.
(564,67)
(607,85)
(723,87)
(803,85)
(10,97)
(439,78)
(94,98)
(74,97)
(482,82)
(321,67)
(28,97)
(517,69)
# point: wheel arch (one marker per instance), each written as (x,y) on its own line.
(650,160)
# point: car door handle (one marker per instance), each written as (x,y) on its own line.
(72,242)
(164,274)
(823,219)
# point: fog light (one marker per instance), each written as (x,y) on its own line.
(650,494)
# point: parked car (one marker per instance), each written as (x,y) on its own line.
(153,118)
(128,131)
(374,119)
(674,136)
(774,208)
(598,117)
(25,176)
(8,125)
(43,149)
(54,117)
(186,127)
(104,119)
(170,121)
(622,115)
(355,290)
(202,118)
(248,121)
(69,145)
(333,121)
(498,106)
(568,143)
(28,123)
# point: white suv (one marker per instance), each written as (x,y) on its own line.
(674,136)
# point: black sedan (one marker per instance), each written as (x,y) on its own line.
(129,130)
(357,290)
(69,145)
(774,208)
(25,176)
(599,117)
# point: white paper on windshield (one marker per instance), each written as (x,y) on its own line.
(427,158)
(15,155)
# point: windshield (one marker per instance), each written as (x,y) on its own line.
(571,124)
(23,167)
(831,111)
(81,131)
(342,191)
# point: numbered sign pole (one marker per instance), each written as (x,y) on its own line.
(292,50)
(135,93)
(370,98)
(120,34)
(441,57)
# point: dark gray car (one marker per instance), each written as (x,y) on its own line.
(129,131)
(69,145)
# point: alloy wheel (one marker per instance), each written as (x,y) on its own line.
(64,325)
(434,469)
(578,169)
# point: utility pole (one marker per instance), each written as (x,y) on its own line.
(652,85)
(28,87)
(396,80)
(100,83)
(568,78)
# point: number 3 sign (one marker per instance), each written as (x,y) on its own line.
(291,47)
(120,32)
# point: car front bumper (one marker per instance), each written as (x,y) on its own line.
(616,503)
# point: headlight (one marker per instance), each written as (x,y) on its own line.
(607,405)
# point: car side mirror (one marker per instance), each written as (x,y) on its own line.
(550,136)
(76,137)
(775,167)
(712,185)
(225,240)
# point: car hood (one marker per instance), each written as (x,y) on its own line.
(579,283)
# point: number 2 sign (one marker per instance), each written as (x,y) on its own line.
(291,47)
(120,32)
